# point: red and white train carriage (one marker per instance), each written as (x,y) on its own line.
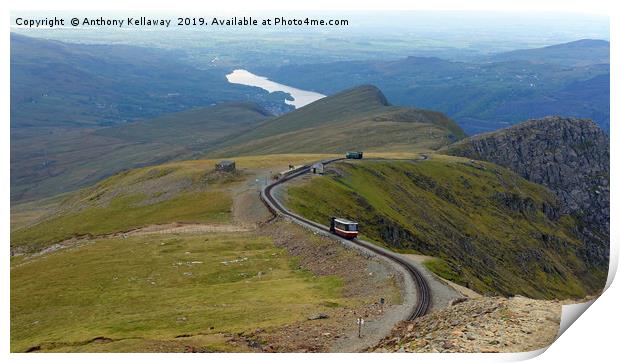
(343,227)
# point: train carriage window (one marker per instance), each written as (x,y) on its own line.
(345,226)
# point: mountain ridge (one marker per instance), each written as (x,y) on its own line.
(339,122)
(590,51)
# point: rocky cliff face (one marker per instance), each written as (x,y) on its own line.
(569,156)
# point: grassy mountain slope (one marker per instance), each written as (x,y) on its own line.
(568,156)
(494,231)
(153,195)
(139,293)
(185,191)
(358,118)
(49,161)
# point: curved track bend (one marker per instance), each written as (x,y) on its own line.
(423,291)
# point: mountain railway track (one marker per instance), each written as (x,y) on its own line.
(424,295)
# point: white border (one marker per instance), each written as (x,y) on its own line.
(601,7)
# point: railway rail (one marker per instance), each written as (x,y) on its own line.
(423,291)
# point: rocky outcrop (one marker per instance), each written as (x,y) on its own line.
(569,156)
(486,324)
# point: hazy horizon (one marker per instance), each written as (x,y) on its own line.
(474,33)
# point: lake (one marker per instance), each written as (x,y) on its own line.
(300,96)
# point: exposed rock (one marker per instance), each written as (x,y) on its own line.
(318,316)
(485,324)
(458,301)
(569,156)
(447,344)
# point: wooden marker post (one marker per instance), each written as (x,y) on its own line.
(360,322)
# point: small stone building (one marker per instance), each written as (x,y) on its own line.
(226,166)
(317,168)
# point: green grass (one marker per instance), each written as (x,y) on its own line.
(366,135)
(200,343)
(187,193)
(193,128)
(358,118)
(145,289)
(25,214)
(484,222)
(126,213)
(442,269)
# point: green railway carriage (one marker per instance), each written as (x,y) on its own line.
(354,155)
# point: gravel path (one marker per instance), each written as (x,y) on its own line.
(186,229)
(169,228)
(443,293)
(375,329)
(248,210)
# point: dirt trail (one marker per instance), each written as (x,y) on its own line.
(191,228)
(248,210)
(376,327)
(170,228)
(366,279)
(248,213)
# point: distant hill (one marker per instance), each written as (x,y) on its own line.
(568,79)
(56,84)
(578,53)
(358,118)
(49,161)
